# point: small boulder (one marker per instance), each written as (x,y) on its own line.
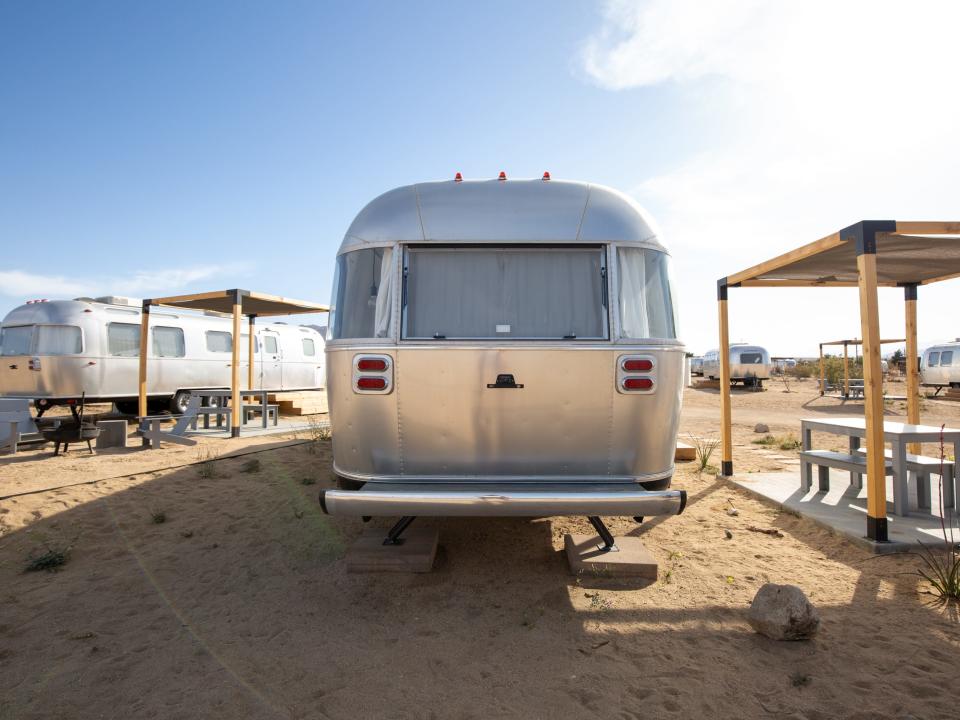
(761,428)
(783,612)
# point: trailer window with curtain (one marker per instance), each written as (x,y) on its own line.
(16,340)
(363,290)
(219,341)
(123,339)
(646,294)
(58,340)
(168,342)
(506,293)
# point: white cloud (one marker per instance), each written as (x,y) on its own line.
(141,283)
(823,113)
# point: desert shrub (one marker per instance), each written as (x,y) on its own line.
(52,558)
(704,448)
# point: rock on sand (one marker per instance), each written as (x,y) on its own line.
(783,612)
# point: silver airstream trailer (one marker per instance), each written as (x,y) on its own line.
(749,364)
(696,365)
(503,348)
(940,366)
(55,351)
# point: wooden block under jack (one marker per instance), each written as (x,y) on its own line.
(630,559)
(415,554)
(684,452)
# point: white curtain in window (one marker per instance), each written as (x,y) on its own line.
(16,340)
(633,299)
(646,294)
(384,313)
(57,340)
(168,342)
(219,341)
(123,339)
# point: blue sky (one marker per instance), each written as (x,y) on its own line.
(161,147)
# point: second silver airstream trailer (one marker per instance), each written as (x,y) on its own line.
(749,364)
(503,348)
(940,366)
(54,352)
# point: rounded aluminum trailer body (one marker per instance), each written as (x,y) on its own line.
(940,365)
(490,425)
(748,363)
(103,376)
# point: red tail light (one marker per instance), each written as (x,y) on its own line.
(641,365)
(372,365)
(637,383)
(371,383)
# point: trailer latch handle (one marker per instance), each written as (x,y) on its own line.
(505,381)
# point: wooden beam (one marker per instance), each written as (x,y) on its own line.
(726,429)
(801,253)
(823,371)
(236,406)
(913,374)
(296,306)
(250,354)
(142,376)
(873,398)
(846,371)
(928,227)
(175,299)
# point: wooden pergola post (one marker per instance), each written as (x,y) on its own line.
(846,371)
(726,430)
(913,374)
(823,371)
(250,354)
(142,379)
(235,403)
(872,386)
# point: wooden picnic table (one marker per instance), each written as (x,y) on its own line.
(899,435)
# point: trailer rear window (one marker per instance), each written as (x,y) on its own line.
(646,294)
(751,358)
(58,340)
(933,360)
(309,349)
(123,339)
(946,358)
(16,340)
(505,293)
(363,288)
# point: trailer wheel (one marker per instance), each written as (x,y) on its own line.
(179,402)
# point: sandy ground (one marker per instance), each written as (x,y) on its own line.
(238,604)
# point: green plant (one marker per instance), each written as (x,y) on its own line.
(50,559)
(308,481)
(318,429)
(206,468)
(158,516)
(784,442)
(250,466)
(704,448)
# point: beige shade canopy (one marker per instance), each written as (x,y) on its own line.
(251,303)
(867,255)
(907,253)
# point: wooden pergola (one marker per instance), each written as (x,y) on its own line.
(846,360)
(237,303)
(866,255)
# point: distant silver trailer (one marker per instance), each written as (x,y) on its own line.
(749,364)
(696,365)
(503,348)
(940,365)
(55,351)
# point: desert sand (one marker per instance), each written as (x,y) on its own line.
(238,604)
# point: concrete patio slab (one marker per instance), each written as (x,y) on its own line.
(843,509)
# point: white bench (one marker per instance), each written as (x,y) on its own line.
(856,464)
(15,421)
(920,468)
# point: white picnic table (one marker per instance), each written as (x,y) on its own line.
(899,435)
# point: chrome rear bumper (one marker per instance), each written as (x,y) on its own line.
(514,500)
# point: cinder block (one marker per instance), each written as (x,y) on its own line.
(630,559)
(415,554)
(113,433)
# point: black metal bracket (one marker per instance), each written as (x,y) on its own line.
(608,544)
(393,537)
